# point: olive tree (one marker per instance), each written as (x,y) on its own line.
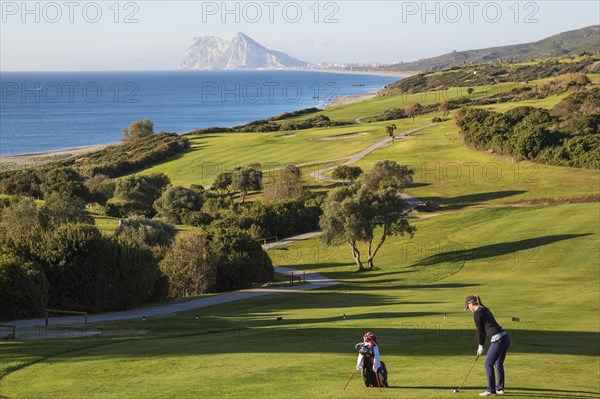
(287,184)
(346,173)
(246,179)
(361,214)
(176,203)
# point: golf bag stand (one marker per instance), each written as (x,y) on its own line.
(367,368)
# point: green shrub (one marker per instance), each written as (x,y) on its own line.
(215,260)
(135,195)
(23,289)
(176,203)
(63,179)
(566,136)
(62,207)
(21,225)
(136,154)
(101,188)
(144,231)
(89,272)
(487,74)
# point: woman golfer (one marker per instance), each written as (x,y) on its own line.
(488,327)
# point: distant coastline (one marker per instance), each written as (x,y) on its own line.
(398,74)
(35,158)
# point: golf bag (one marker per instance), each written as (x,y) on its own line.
(366,367)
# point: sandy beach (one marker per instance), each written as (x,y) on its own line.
(351,99)
(40,158)
(354,98)
(397,74)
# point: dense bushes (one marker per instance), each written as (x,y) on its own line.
(214,260)
(150,232)
(415,109)
(315,121)
(62,208)
(293,114)
(177,203)
(282,218)
(566,136)
(101,188)
(83,269)
(23,289)
(70,176)
(135,195)
(134,155)
(391,114)
(42,181)
(269,125)
(87,271)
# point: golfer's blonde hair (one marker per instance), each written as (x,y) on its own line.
(478,302)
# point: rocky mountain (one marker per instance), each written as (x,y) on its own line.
(213,53)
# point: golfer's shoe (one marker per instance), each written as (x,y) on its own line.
(486,393)
(499,392)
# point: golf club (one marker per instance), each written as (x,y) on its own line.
(378,383)
(463,383)
(352,376)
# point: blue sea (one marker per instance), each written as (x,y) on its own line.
(45,111)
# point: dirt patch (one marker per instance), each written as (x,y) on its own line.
(553,201)
(425,215)
(345,136)
(122,333)
(286,135)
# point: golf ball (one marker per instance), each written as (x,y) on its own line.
(455,390)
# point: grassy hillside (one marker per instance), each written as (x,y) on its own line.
(455,176)
(446,171)
(567,43)
(212,154)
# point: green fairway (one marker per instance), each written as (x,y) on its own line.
(212,154)
(377,105)
(538,264)
(455,176)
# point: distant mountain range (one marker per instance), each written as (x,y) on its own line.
(567,43)
(213,53)
(242,52)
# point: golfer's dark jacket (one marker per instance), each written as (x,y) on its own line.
(486,324)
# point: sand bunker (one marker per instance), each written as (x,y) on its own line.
(344,136)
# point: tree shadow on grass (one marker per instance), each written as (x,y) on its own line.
(493,250)
(514,391)
(320,335)
(350,316)
(374,286)
(463,201)
(318,266)
(420,184)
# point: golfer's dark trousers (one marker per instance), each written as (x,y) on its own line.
(495,357)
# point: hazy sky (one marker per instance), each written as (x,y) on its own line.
(132,35)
